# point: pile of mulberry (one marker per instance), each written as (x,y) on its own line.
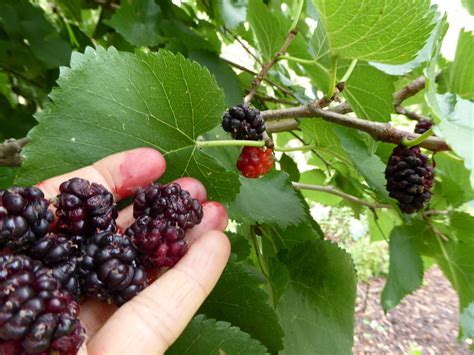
(409,178)
(244,123)
(47,267)
(24,217)
(36,316)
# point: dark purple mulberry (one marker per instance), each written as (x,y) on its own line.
(423,125)
(160,242)
(61,253)
(36,316)
(244,123)
(110,268)
(168,202)
(409,178)
(83,208)
(24,217)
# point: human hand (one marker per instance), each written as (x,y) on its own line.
(151,321)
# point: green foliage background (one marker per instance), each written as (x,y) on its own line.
(84,79)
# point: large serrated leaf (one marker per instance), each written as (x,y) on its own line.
(369,165)
(406,266)
(386,31)
(211,337)
(110,101)
(455,185)
(457,127)
(369,91)
(138,22)
(317,307)
(270,36)
(270,199)
(238,299)
(461,71)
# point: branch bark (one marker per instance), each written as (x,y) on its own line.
(379,131)
(272,83)
(10,151)
(332,190)
(266,67)
(408,91)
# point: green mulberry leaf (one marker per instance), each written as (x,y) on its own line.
(211,337)
(110,101)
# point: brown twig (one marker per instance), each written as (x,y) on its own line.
(326,163)
(10,151)
(242,44)
(266,67)
(282,126)
(332,190)
(407,91)
(269,98)
(379,131)
(272,83)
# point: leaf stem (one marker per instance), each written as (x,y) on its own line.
(229,143)
(332,85)
(295,149)
(297,60)
(349,71)
(417,141)
(259,254)
(332,190)
(298,14)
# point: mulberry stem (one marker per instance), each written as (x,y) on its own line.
(417,141)
(229,143)
(246,143)
(295,149)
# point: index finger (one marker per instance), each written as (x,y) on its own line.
(122,173)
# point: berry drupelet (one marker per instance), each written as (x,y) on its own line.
(409,178)
(244,123)
(24,217)
(254,162)
(36,316)
(110,269)
(84,208)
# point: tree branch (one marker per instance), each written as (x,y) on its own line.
(272,83)
(10,152)
(332,190)
(379,131)
(242,44)
(409,90)
(266,67)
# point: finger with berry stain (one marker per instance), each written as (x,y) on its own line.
(254,162)
(121,174)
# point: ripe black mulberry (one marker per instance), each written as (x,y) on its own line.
(84,208)
(36,316)
(24,217)
(244,123)
(110,268)
(409,178)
